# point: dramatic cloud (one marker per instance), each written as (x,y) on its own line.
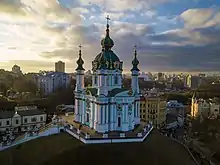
(40,32)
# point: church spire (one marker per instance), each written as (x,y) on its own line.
(135,61)
(80,61)
(107,43)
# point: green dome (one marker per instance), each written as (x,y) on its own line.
(109,56)
(107,42)
(106,60)
(135,62)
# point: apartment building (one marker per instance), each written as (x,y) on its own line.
(153,108)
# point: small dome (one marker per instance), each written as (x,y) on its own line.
(135,62)
(107,43)
(80,61)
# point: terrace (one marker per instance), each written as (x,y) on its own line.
(88,135)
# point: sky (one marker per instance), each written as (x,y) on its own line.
(171,35)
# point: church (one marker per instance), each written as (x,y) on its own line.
(106,106)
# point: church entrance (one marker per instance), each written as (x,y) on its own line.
(119,121)
(129,123)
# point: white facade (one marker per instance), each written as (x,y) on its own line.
(106,105)
(50,82)
(22,120)
(144,76)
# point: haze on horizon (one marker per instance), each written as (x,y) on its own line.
(171,35)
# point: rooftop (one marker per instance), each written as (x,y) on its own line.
(10,114)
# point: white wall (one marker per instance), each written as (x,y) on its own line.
(120,140)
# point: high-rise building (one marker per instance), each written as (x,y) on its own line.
(59,66)
(51,81)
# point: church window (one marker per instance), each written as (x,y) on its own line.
(107,80)
(87,117)
(119,121)
(95,80)
(116,79)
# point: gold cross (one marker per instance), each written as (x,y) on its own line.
(107,18)
(135,47)
(80,46)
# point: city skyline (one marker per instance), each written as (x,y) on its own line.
(171,35)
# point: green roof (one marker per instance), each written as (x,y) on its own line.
(115,91)
(108,57)
(93,91)
(112,93)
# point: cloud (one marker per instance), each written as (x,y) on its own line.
(13,7)
(123,5)
(51,31)
(199,18)
(181,49)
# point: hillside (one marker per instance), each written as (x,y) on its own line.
(64,149)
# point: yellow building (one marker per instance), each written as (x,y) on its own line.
(205,108)
(153,108)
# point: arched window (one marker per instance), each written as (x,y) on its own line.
(87,117)
(95,79)
(116,79)
(107,80)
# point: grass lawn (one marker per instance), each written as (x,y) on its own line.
(62,149)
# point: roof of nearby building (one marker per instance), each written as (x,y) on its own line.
(31,112)
(10,114)
(24,108)
(6,114)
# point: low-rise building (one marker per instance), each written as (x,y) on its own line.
(153,108)
(204,108)
(174,121)
(22,120)
(174,107)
